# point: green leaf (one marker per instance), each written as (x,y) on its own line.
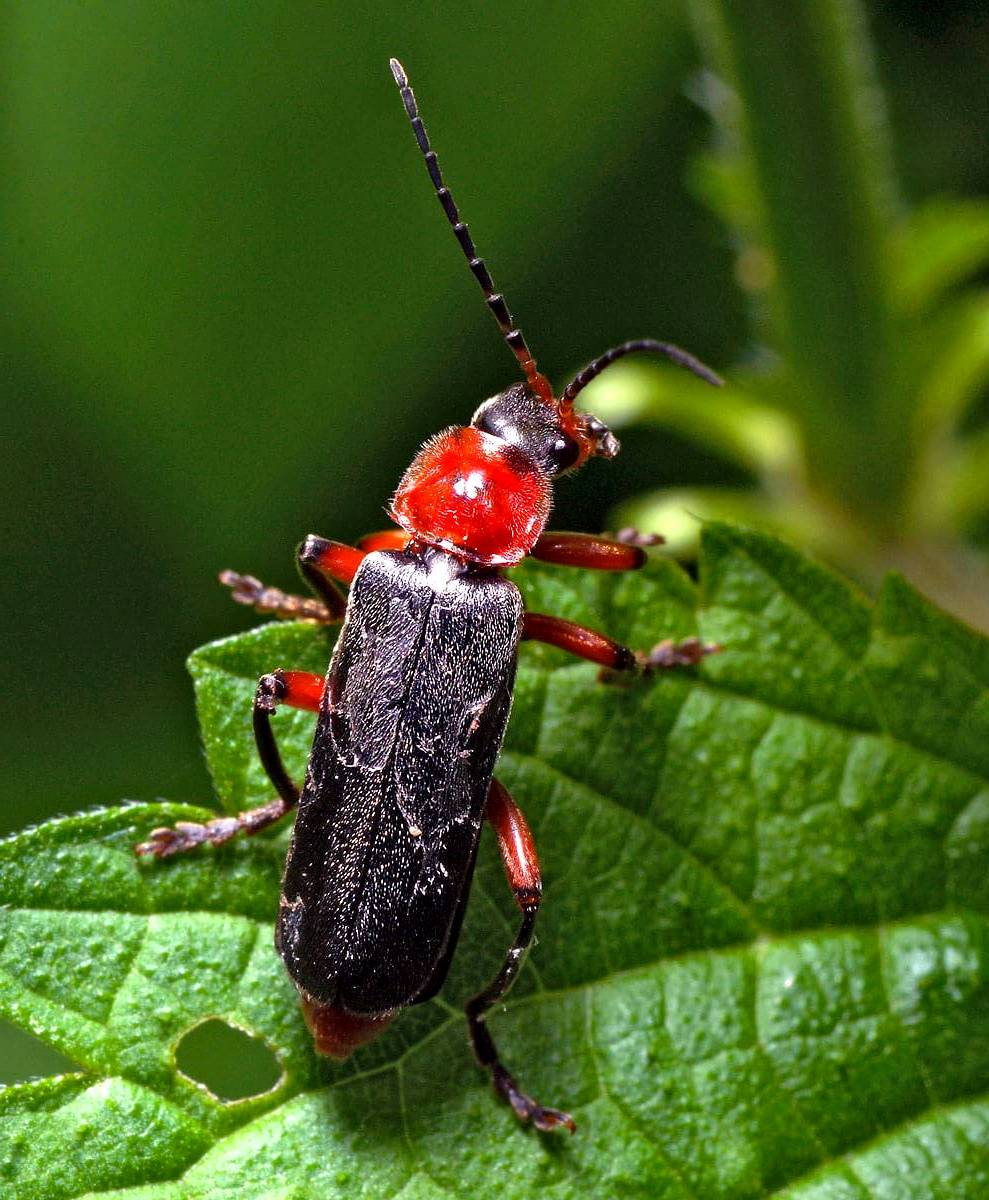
(763,959)
(939,245)
(681,512)
(957,366)
(965,480)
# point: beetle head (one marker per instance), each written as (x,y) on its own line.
(556,439)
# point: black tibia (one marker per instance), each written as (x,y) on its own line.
(272,691)
(485,1051)
(518,853)
(245,589)
(186,835)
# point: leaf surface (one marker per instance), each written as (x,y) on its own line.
(763,954)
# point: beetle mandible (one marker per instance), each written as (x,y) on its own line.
(414,705)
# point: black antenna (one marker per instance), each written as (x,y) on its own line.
(673,353)
(495,300)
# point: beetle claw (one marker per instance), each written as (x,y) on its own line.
(630,536)
(525,1108)
(546,1119)
(163,843)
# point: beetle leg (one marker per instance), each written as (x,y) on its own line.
(597,648)
(323,564)
(298,689)
(518,853)
(385,539)
(245,589)
(601,554)
(591,552)
(577,639)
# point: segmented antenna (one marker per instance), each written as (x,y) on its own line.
(494,300)
(673,353)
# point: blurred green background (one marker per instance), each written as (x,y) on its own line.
(231,309)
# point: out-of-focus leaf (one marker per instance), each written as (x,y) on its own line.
(963,495)
(956,368)
(763,966)
(680,513)
(765,440)
(938,245)
(719,180)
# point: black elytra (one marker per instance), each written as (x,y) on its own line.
(416,702)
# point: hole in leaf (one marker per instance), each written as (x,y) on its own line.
(23,1057)
(229,1063)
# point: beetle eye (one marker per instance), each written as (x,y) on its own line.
(564,454)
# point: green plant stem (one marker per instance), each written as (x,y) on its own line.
(807,123)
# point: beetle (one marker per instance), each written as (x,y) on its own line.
(414,705)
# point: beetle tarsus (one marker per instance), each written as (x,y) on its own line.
(167,841)
(485,1051)
(669,653)
(664,656)
(523,1105)
(525,1108)
(628,535)
(250,591)
(271,691)
(163,842)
